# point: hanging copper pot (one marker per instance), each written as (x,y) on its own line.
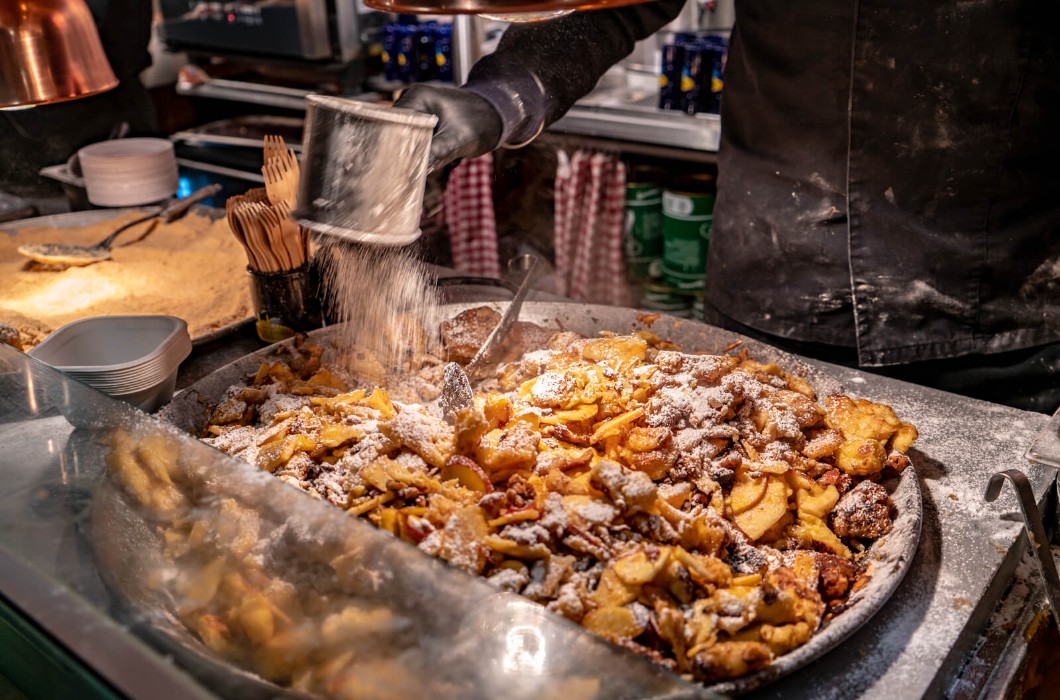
(509,10)
(50,51)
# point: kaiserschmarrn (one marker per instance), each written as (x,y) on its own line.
(705,511)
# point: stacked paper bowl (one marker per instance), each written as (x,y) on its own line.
(129,172)
(133,358)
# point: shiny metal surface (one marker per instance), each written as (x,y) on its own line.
(313,27)
(50,51)
(468,36)
(629,113)
(918,643)
(363,170)
(457,392)
(916,647)
(530,266)
(80,255)
(890,558)
(349,30)
(1046,447)
(1032,519)
(67,521)
(78,219)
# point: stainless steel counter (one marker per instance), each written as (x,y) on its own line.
(620,116)
(918,645)
(968,554)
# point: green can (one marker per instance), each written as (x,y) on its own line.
(643,235)
(687,218)
(666,300)
(697,307)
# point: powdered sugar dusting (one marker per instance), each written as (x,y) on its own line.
(905,646)
(908,646)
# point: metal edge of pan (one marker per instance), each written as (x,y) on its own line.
(889,558)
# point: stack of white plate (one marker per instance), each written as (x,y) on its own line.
(133,358)
(129,172)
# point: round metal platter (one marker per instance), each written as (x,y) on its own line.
(887,560)
(89,217)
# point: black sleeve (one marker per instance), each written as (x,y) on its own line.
(539,70)
(125,28)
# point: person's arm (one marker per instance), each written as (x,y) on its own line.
(536,74)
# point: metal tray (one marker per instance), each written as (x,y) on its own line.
(80,560)
(889,558)
(78,219)
(247,131)
(112,518)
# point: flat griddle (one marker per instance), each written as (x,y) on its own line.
(80,219)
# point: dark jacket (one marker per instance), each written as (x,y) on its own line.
(888,172)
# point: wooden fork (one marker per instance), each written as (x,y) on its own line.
(279,184)
(257,235)
(270,223)
(294,238)
(236,226)
(274,147)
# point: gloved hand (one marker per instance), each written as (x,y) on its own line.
(468,125)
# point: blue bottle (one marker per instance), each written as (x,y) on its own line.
(443,52)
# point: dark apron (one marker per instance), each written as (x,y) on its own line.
(889,177)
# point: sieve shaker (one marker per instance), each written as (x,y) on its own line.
(364,170)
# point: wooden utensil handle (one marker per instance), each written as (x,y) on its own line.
(177,209)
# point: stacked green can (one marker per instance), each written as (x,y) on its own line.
(643,231)
(687,218)
(666,300)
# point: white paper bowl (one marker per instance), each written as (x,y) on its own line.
(134,358)
(129,172)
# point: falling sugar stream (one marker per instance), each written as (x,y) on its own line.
(362,188)
(383,297)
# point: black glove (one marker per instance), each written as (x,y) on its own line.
(468,125)
(540,68)
(532,79)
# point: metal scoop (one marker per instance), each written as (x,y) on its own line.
(81,255)
(456,380)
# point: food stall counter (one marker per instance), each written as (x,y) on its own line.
(60,561)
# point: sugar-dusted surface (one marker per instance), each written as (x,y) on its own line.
(192,268)
(912,647)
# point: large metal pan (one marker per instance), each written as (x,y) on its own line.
(889,558)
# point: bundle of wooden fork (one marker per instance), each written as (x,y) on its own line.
(261,218)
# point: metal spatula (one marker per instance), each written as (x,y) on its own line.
(81,255)
(456,381)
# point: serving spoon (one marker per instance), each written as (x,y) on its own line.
(456,380)
(81,255)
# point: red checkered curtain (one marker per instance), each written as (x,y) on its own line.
(468,213)
(590,200)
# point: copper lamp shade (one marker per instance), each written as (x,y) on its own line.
(50,51)
(509,9)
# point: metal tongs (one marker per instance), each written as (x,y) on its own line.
(1040,542)
(456,382)
(1045,450)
